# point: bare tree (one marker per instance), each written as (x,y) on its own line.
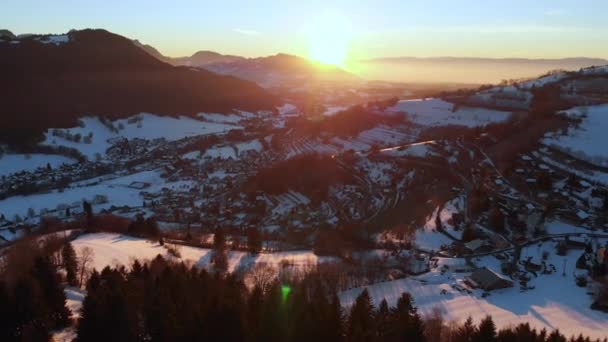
(84,263)
(262,275)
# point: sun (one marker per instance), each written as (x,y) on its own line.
(329,38)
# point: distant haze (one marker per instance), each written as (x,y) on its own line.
(463,70)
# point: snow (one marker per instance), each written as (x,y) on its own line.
(555,227)
(222,152)
(543,81)
(419,150)
(116,190)
(150,127)
(288,201)
(253,145)
(428,238)
(555,303)
(115,249)
(437,112)
(586,142)
(221,118)
(55,39)
(12,163)
(74,298)
(287,109)
(333,110)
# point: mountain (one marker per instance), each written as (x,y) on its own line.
(202,58)
(470,60)
(6,34)
(50,81)
(466,70)
(280,69)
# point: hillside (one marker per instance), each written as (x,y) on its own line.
(280,69)
(50,81)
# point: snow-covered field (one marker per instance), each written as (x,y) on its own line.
(419,150)
(12,163)
(115,189)
(437,112)
(149,127)
(115,249)
(555,303)
(428,238)
(588,141)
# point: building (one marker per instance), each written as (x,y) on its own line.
(488,280)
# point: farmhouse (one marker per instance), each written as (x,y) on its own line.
(488,280)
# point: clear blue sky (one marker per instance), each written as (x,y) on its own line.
(490,28)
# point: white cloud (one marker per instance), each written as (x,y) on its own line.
(246,32)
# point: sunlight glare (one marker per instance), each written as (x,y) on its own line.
(329,39)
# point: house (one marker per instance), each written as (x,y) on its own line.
(138,185)
(478,245)
(488,280)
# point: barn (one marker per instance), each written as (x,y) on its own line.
(486,279)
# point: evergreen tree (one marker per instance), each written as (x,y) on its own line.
(486,331)
(254,240)
(7,321)
(465,332)
(556,336)
(335,319)
(405,321)
(45,274)
(88,210)
(383,321)
(360,325)
(219,239)
(70,263)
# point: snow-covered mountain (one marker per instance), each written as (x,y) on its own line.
(51,80)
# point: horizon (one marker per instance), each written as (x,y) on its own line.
(336,33)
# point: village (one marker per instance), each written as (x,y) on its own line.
(400,203)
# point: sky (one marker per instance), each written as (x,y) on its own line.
(370,29)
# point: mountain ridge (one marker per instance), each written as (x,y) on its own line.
(96,72)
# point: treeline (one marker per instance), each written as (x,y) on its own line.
(32,300)
(165,302)
(350,122)
(310,174)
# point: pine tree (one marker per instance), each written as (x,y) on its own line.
(383,321)
(335,319)
(465,332)
(360,325)
(45,274)
(7,321)
(70,263)
(219,239)
(254,240)
(486,332)
(88,210)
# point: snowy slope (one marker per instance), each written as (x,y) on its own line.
(588,141)
(437,112)
(116,190)
(115,249)
(428,238)
(149,127)
(12,163)
(555,303)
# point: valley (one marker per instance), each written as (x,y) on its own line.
(490,200)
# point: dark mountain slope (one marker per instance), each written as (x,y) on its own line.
(50,84)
